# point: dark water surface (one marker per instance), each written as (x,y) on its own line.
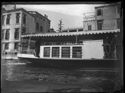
(18,77)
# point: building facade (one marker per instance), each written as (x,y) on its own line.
(89,21)
(19,22)
(42,23)
(108,17)
(104,18)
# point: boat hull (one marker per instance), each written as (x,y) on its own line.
(67,63)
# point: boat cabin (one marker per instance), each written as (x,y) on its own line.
(75,45)
(85,50)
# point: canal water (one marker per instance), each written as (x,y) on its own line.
(17,77)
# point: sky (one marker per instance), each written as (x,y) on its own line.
(71,14)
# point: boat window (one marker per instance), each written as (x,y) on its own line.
(55,52)
(66,52)
(77,52)
(46,51)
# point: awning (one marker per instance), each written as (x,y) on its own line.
(71,33)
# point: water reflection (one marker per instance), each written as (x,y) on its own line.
(17,71)
(9,72)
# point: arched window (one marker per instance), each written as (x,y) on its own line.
(89,27)
(16,46)
(37,26)
(17,17)
(99,24)
(118,23)
(3,19)
(8,19)
(6,46)
(23,30)
(99,12)
(16,35)
(2,34)
(7,35)
(46,51)
(41,29)
(24,19)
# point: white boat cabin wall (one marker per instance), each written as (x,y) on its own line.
(89,49)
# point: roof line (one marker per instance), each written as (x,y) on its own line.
(72,33)
(39,14)
(18,9)
(113,4)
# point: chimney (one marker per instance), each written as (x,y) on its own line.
(45,15)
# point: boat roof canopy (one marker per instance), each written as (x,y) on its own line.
(71,33)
